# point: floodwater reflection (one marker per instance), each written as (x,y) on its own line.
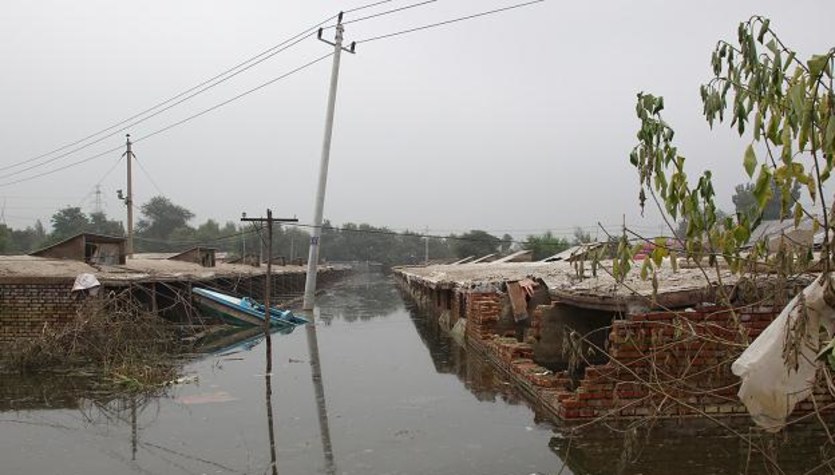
(402,398)
(269,402)
(390,407)
(321,405)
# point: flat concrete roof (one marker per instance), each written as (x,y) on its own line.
(14,269)
(685,287)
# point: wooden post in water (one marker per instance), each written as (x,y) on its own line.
(269,220)
(154,302)
(268,283)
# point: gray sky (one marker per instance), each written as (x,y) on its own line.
(517,122)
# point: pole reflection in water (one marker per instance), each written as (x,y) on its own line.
(321,407)
(134,432)
(269,401)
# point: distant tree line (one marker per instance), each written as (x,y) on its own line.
(164,226)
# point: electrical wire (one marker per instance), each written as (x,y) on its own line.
(220,78)
(171,126)
(154,114)
(395,233)
(148,176)
(447,22)
(387,12)
(183,97)
(107,174)
(56,170)
(370,5)
(236,234)
(235,98)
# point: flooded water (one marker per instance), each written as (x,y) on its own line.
(374,388)
(393,404)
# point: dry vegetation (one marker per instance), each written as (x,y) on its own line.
(113,338)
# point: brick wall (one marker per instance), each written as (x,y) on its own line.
(670,364)
(663,364)
(26,307)
(482,313)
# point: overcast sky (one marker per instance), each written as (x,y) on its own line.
(518,122)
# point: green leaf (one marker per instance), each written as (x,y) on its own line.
(771,131)
(742,233)
(829,352)
(829,137)
(827,170)
(750,160)
(798,214)
(789,60)
(762,188)
(817,64)
(763,30)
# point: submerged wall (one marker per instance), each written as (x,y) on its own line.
(26,307)
(29,304)
(580,364)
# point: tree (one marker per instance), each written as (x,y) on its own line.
(507,242)
(161,218)
(475,243)
(581,237)
(68,222)
(101,225)
(27,240)
(746,203)
(788,107)
(545,245)
(6,243)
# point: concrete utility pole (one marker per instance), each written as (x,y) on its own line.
(426,248)
(269,220)
(97,208)
(129,198)
(313,256)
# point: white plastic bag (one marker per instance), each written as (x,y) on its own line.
(770,389)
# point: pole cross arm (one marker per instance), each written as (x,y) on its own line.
(351,49)
(275,220)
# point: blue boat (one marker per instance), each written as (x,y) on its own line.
(243,311)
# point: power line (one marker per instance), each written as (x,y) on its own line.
(257,59)
(387,12)
(106,174)
(236,234)
(447,22)
(171,126)
(183,97)
(148,175)
(50,172)
(370,5)
(154,114)
(235,98)
(396,233)
(188,94)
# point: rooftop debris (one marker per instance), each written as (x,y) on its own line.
(675,288)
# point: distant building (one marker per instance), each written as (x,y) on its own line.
(783,232)
(91,248)
(248,259)
(205,256)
